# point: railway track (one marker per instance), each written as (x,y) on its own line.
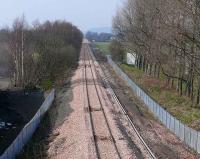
(111,91)
(105,145)
(102,136)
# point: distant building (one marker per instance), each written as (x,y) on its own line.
(4,83)
(131,58)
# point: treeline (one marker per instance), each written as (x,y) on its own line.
(41,52)
(98,37)
(165,35)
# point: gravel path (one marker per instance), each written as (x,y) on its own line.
(96,127)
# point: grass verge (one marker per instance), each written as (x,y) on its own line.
(179,106)
(103,46)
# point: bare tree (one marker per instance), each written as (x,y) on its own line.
(41,52)
(164,34)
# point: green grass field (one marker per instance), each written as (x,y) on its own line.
(179,106)
(103,46)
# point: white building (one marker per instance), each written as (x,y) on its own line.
(131,58)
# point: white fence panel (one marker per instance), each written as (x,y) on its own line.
(194,136)
(182,131)
(171,123)
(198,142)
(164,118)
(177,124)
(187,135)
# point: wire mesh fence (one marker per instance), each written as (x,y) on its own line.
(188,135)
(28,130)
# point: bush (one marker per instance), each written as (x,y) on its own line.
(46,84)
(117,50)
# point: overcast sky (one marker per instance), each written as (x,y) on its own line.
(85,14)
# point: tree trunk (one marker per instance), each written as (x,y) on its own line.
(144,64)
(172,83)
(192,89)
(155,69)
(181,87)
(198,95)
(22,59)
(158,72)
(150,69)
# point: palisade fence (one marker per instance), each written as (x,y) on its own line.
(189,136)
(28,130)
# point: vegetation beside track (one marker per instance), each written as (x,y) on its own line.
(179,106)
(39,54)
(103,47)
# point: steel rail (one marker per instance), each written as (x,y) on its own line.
(98,95)
(113,94)
(88,102)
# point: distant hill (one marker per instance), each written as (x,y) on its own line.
(101,30)
(98,37)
